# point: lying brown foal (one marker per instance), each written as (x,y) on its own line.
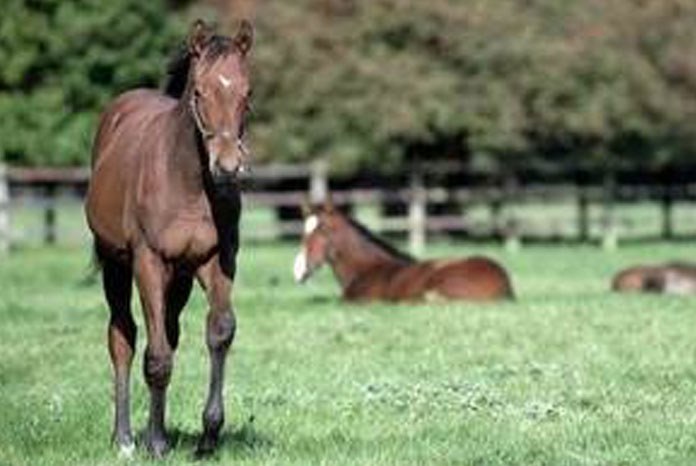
(672,278)
(369,269)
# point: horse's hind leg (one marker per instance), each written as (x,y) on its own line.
(117,280)
(219,335)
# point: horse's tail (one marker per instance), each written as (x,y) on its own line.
(93,267)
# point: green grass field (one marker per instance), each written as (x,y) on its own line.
(569,374)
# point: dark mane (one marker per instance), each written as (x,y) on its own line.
(180,63)
(177,72)
(388,248)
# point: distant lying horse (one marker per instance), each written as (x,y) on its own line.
(672,278)
(164,207)
(369,269)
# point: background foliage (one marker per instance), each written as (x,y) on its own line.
(505,83)
(63,60)
(372,84)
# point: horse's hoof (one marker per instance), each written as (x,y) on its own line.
(206,446)
(157,446)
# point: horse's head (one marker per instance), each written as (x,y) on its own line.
(219,95)
(320,225)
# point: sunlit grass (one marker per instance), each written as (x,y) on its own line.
(569,374)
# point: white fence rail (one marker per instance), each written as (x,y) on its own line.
(278,187)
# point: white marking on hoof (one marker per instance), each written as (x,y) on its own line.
(126,451)
(311,224)
(299,268)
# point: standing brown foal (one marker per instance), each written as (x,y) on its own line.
(369,269)
(164,206)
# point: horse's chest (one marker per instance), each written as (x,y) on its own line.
(187,237)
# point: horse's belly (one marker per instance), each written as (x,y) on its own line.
(408,283)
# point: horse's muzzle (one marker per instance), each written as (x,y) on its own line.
(226,173)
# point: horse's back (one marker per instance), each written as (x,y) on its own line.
(131,114)
(124,135)
(475,278)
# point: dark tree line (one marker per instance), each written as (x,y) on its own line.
(375,84)
(499,84)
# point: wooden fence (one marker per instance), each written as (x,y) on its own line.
(278,187)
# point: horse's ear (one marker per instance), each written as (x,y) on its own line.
(198,37)
(244,37)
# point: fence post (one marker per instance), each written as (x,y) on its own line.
(583,215)
(667,204)
(511,232)
(417,212)
(4,210)
(513,242)
(496,209)
(318,181)
(610,234)
(50,215)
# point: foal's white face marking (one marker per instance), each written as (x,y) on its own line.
(311,224)
(299,268)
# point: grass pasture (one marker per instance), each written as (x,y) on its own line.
(569,374)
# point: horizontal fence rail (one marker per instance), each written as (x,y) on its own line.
(418,203)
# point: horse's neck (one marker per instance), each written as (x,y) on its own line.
(357,255)
(185,160)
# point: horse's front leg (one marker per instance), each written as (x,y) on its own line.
(220,331)
(152,278)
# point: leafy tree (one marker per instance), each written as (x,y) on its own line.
(63,60)
(373,84)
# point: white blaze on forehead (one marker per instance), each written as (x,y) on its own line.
(311,224)
(299,268)
(226,82)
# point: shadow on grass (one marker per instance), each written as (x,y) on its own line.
(322,299)
(244,441)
